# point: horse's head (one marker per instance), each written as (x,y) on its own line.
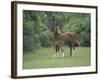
(56,30)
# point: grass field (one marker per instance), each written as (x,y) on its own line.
(43,58)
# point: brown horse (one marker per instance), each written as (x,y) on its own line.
(59,39)
(71,39)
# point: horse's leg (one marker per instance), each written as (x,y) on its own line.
(57,51)
(72,47)
(62,51)
(55,55)
(70,51)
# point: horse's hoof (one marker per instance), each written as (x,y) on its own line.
(70,56)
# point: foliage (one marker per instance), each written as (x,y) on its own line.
(37,25)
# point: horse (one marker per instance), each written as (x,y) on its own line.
(58,47)
(58,39)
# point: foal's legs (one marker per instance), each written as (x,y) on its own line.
(57,50)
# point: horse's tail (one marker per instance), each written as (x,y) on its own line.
(77,40)
(77,43)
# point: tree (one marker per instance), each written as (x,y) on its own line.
(37,25)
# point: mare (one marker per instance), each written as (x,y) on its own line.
(58,39)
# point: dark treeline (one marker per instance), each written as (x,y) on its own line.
(37,25)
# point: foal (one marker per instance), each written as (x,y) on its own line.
(59,50)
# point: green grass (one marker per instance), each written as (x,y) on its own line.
(43,58)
